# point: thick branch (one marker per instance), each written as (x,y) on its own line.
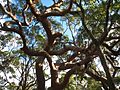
(67,65)
(47,26)
(67,48)
(51,64)
(72,57)
(106,30)
(106,69)
(12,16)
(58,12)
(97,78)
(68,75)
(32,7)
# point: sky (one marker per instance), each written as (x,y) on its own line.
(47,2)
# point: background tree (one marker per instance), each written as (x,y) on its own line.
(76,41)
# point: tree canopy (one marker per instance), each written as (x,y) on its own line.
(63,45)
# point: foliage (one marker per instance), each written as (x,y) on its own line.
(75,44)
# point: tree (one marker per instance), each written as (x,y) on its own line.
(79,40)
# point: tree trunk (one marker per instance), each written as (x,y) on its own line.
(40,74)
(106,69)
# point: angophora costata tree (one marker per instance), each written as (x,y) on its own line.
(97,35)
